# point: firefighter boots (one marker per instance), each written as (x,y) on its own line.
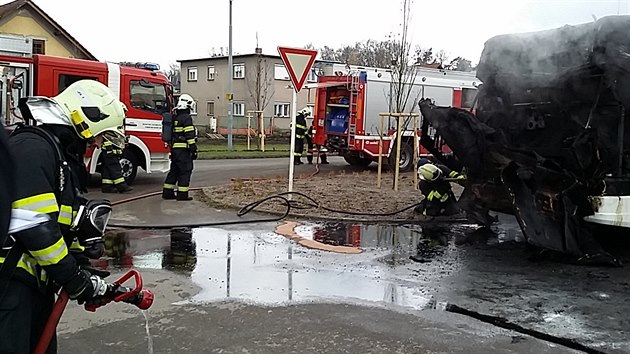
(297,161)
(183,196)
(108,189)
(168,193)
(123,188)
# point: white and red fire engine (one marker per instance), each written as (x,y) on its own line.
(144,90)
(349,100)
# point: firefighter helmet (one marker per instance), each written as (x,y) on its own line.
(306,111)
(185,102)
(90,107)
(429,172)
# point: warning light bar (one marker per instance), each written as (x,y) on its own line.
(146,66)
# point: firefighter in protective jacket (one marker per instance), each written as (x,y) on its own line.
(312,149)
(183,151)
(438,194)
(50,176)
(300,131)
(112,178)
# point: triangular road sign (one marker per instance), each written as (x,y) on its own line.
(298,63)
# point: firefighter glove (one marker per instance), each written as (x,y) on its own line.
(94,286)
(193,151)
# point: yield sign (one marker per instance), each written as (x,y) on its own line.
(298,63)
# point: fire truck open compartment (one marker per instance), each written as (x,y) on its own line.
(349,101)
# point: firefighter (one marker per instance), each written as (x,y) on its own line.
(50,176)
(312,148)
(438,195)
(183,151)
(112,178)
(7,179)
(300,131)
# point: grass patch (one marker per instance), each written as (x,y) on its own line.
(239,151)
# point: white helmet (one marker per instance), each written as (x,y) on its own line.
(185,102)
(90,107)
(306,111)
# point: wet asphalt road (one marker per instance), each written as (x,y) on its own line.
(248,289)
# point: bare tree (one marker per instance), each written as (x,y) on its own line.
(260,83)
(423,55)
(174,76)
(218,52)
(403,69)
(460,64)
(441,57)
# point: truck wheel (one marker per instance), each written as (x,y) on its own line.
(364,161)
(129,164)
(354,160)
(406,157)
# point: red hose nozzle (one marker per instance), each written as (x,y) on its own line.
(146,299)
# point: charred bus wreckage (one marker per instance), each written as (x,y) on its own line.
(548,140)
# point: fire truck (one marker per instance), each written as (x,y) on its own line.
(142,88)
(349,99)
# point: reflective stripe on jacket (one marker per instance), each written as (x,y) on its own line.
(47,253)
(184,133)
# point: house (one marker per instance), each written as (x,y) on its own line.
(260,83)
(24,19)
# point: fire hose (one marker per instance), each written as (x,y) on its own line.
(116,292)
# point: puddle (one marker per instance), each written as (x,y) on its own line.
(270,269)
(264,267)
(484,270)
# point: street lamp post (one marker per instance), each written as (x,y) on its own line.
(230,83)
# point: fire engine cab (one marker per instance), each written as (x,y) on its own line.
(349,99)
(145,91)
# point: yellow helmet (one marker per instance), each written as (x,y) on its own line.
(93,109)
(429,172)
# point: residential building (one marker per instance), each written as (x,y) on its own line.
(22,18)
(260,83)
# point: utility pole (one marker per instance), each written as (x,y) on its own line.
(230,95)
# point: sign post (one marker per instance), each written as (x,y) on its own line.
(298,63)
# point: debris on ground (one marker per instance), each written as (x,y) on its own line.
(355,192)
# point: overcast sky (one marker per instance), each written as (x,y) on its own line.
(146,30)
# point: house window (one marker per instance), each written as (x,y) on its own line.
(280,72)
(281,109)
(239,108)
(192,73)
(39,46)
(210,72)
(239,71)
(210,108)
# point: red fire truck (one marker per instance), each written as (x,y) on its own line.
(349,100)
(142,88)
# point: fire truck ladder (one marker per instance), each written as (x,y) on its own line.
(353,87)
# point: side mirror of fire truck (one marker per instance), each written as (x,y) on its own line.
(161,106)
